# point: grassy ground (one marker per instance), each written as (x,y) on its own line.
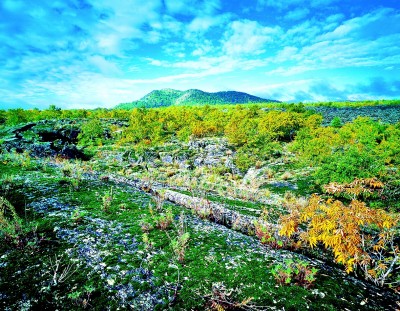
(94,228)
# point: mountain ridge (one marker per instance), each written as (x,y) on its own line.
(192,97)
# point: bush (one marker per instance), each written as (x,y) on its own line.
(343,166)
(179,246)
(244,159)
(164,220)
(92,133)
(358,236)
(16,116)
(13,229)
(336,122)
(3,117)
(294,272)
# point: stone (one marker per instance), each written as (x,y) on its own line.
(167,159)
(70,151)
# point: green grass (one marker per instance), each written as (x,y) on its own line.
(215,254)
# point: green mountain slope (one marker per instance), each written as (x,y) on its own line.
(170,97)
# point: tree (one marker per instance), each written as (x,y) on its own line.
(91,132)
(16,116)
(3,117)
(336,122)
(54,108)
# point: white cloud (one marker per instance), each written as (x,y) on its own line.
(295,90)
(366,25)
(169,24)
(191,8)
(304,33)
(297,14)
(353,43)
(248,37)
(283,5)
(334,18)
(277,4)
(123,24)
(203,48)
(286,54)
(174,48)
(103,65)
(203,23)
(110,51)
(344,53)
(331,89)
(177,6)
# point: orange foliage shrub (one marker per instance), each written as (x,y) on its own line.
(359,187)
(356,234)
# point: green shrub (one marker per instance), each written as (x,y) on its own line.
(16,116)
(179,246)
(294,272)
(343,166)
(336,122)
(245,159)
(92,133)
(11,225)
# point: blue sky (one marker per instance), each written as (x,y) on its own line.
(98,53)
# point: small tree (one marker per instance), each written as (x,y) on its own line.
(3,117)
(336,122)
(54,108)
(91,132)
(15,116)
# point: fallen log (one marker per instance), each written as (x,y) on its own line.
(203,208)
(214,212)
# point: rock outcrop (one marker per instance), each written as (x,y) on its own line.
(45,138)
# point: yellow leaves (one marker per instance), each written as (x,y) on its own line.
(382,266)
(371,272)
(332,240)
(340,257)
(350,262)
(386,224)
(304,217)
(356,188)
(244,302)
(216,306)
(287,230)
(328,242)
(350,265)
(341,229)
(377,247)
(374,183)
(312,241)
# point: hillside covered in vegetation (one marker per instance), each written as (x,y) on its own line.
(232,207)
(170,97)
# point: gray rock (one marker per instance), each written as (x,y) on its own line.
(198,162)
(168,159)
(70,151)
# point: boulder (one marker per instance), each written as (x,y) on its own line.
(70,151)
(23,128)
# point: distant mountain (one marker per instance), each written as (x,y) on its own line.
(170,97)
